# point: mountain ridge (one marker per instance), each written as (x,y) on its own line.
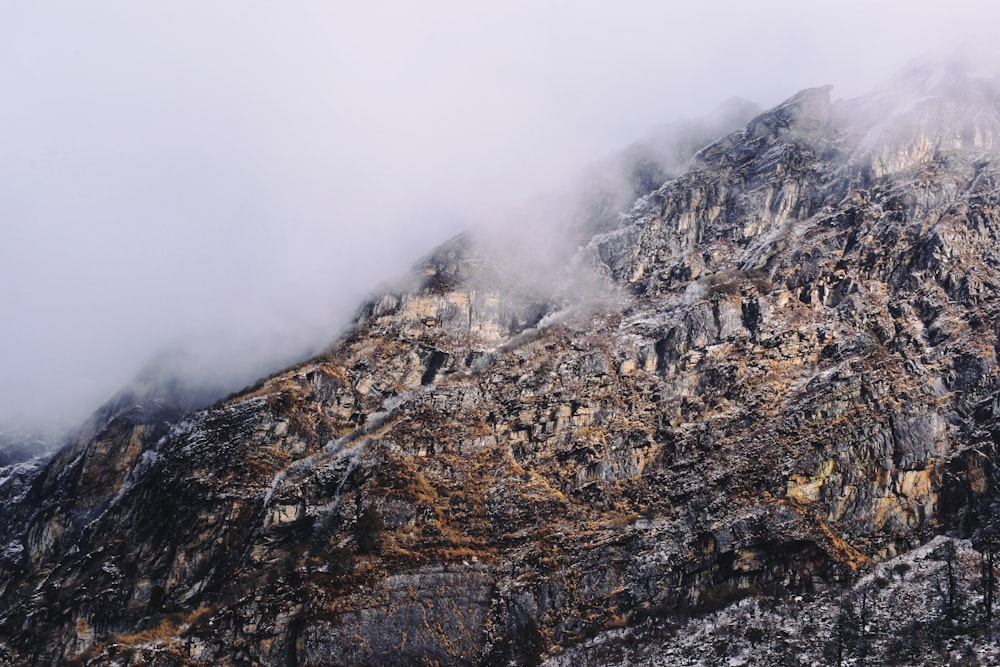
(777,378)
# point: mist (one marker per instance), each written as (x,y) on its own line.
(235,177)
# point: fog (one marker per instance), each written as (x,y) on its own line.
(237,176)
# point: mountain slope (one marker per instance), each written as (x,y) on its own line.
(777,372)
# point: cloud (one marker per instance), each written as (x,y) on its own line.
(248,171)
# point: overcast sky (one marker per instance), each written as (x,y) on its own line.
(244,172)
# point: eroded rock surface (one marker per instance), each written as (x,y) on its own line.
(786,379)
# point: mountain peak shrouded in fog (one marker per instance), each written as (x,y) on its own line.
(246,172)
(742,383)
(537,235)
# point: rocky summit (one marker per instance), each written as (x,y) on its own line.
(752,420)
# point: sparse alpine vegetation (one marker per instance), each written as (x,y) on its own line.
(752,420)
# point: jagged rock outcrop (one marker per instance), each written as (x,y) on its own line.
(784,378)
(903,612)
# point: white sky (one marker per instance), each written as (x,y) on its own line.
(245,172)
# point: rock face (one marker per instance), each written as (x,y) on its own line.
(777,401)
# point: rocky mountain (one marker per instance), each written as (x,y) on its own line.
(18,445)
(752,421)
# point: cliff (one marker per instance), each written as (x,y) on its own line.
(769,391)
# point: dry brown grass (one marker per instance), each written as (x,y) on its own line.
(167,629)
